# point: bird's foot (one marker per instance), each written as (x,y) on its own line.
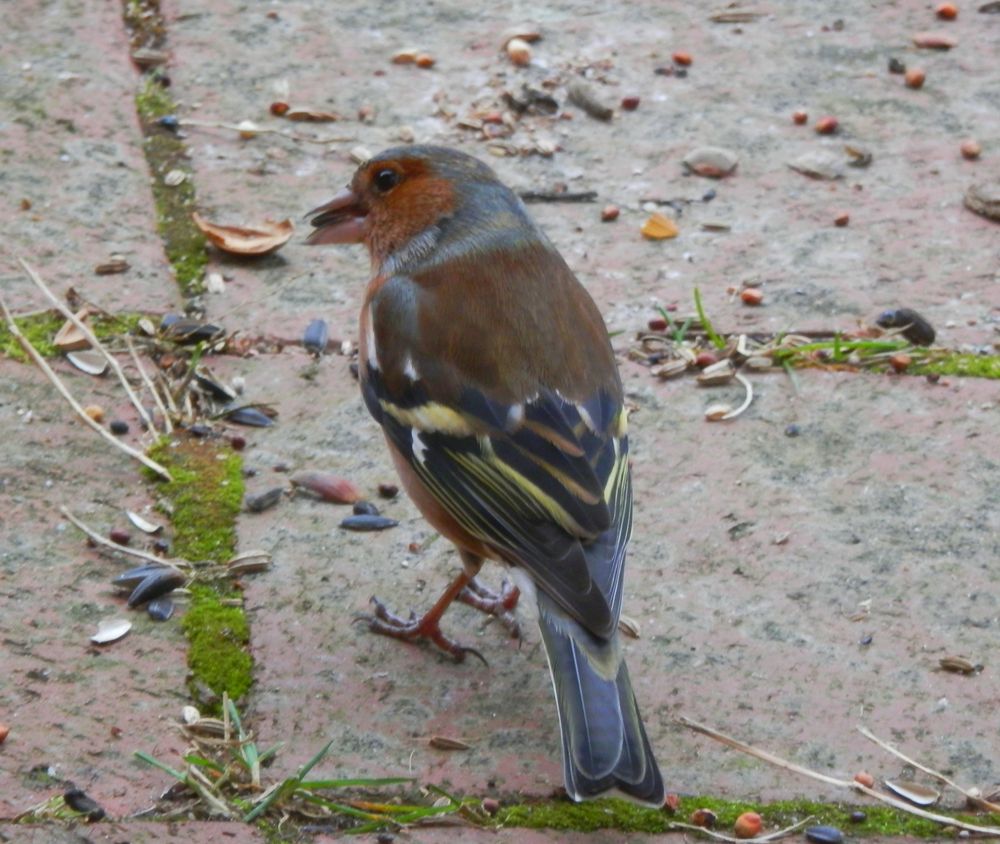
(386,623)
(499,605)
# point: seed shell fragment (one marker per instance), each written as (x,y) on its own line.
(261,239)
(93,363)
(920,795)
(143,524)
(110,630)
(327,486)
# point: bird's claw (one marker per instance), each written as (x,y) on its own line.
(499,605)
(386,623)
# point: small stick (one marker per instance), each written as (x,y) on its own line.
(850,784)
(972,798)
(264,130)
(58,384)
(168,426)
(123,549)
(91,338)
(553,196)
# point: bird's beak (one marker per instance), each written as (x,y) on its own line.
(341,220)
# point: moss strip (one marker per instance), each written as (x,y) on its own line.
(41,330)
(628,817)
(204,499)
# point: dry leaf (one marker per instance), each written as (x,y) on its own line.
(245,241)
(659,227)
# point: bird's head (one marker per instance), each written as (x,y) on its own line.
(406,196)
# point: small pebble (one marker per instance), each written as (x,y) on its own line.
(947,11)
(752,296)
(424,60)
(799,118)
(970,149)
(709,195)
(365,508)
(865,641)
(120,536)
(519,51)
(610,213)
(896,66)
(491,805)
(827,125)
(630,103)
(824,835)
(388,490)
(842,219)
(914,78)
(278,108)
(161,546)
(118,427)
(683,59)
(792,430)
(657,324)
(858,817)
(900,362)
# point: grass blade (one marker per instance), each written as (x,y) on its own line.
(715,339)
(156,763)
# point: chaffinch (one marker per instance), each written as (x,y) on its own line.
(489,368)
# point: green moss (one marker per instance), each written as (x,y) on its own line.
(205,497)
(41,329)
(957,363)
(627,817)
(183,241)
(218,635)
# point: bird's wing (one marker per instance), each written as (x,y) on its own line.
(544,481)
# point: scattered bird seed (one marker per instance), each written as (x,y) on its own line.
(169,122)
(110,630)
(919,795)
(984,198)
(792,430)
(959,665)
(388,490)
(264,500)
(160,609)
(144,525)
(705,818)
(118,427)
(78,801)
(119,536)
(329,487)
(365,508)
(368,523)
(445,743)
(158,582)
(914,327)
(316,336)
(581,94)
(824,835)
(896,66)
(858,817)
(249,415)
(713,162)
(93,363)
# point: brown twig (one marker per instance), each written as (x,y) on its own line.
(32,352)
(760,839)
(849,784)
(91,338)
(969,795)
(122,549)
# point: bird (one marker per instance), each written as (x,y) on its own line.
(490,369)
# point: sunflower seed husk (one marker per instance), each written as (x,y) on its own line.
(264,500)
(670,369)
(249,415)
(316,336)
(69,338)
(110,630)
(206,379)
(919,795)
(717,373)
(93,363)
(368,523)
(155,584)
(133,577)
(628,626)
(716,412)
(249,562)
(959,665)
(757,362)
(141,523)
(160,609)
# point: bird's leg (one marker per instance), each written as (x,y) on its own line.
(499,605)
(428,626)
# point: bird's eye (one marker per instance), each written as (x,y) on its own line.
(386,180)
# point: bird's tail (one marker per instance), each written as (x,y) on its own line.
(604,742)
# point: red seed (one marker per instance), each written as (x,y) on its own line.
(864,778)
(671,802)
(630,103)
(970,149)
(425,60)
(657,324)
(491,805)
(752,296)
(704,817)
(388,490)
(799,117)
(915,77)
(278,108)
(120,536)
(842,219)
(683,59)
(947,11)
(237,442)
(328,487)
(900,362)
(705,359)
(609,213)
(4,732)
(827,125)
(748,825)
